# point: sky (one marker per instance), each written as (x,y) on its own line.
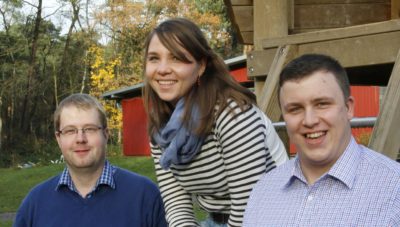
(54,10)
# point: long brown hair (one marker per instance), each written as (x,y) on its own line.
(216,85)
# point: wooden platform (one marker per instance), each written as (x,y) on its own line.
(364,35)
(311,15)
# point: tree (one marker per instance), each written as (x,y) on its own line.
(32,52)
(39,66)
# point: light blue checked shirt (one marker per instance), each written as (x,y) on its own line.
(106,178)
(361,189)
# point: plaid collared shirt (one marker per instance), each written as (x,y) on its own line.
(361,189)
(106,178)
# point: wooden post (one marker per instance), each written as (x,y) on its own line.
(385,136)
(270,21)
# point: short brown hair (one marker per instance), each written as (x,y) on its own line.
(307,64)
(81,101)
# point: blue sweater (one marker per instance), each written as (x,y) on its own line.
(135,201)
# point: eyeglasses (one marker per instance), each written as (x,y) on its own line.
(71,131)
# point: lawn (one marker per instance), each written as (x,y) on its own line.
(16,183)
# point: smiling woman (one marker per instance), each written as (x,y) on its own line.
(208,138)
(171,76)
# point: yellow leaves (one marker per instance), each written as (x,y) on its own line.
(102,72)
(102,79)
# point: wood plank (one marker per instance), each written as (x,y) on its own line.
(233,20)
(247,37)
(320,2)
(385,135)
(244,17)
(321,16)
(259,83)
(395,9)
(290,15)
(270,20)
(358,51)
(268,98)
(332,34)
(259,62)
(242,2)
(351,52)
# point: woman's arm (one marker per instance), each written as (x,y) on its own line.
(246,157)
(274,142)
(177,202)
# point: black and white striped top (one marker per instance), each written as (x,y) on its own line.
(221,176)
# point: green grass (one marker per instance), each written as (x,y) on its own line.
(6,223)
(16,183)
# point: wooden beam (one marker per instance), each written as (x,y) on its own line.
(259,62)
(268,99)
(247,37)
(332,34)
(325,16)
(244,17)
(358,51)
(356,46)
(233,20)
(395,9)
(290,12)
(321,2)
(386,133)
(270,20)
(242,2)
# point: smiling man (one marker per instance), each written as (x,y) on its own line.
(333,181)
(90,191)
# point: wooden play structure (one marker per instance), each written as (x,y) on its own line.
(364,35)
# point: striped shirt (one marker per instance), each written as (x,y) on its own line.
(106,178)
(232,159)
(361,189)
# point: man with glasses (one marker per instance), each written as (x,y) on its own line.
(90,191)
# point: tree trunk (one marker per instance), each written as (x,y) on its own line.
(25,116)
(75,17)
(1,125)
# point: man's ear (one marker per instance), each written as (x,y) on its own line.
(57,134)
(350,104)
(106,133)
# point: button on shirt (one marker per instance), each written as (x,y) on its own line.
(361,189)
(106,178)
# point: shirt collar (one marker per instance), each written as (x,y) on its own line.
(344,169)
(295,172)
(106,178)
